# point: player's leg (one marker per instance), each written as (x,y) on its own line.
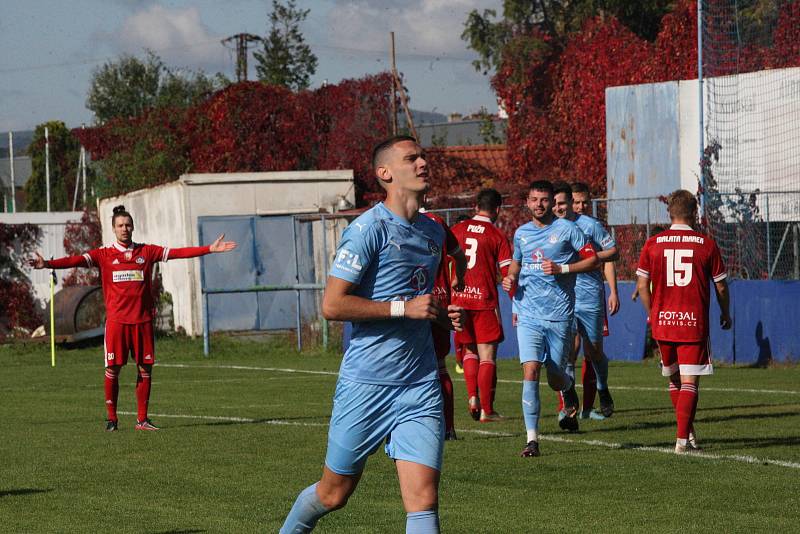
(330,493)
(419,487)
(447,397)
(590,327)
(471,365)
(144,355)
(459,358)
(531,356)
(573,355)
(358,425)
(488,333)
(416,445)
(558,335)
(694,361)
(115,355)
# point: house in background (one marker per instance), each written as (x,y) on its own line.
(22,169)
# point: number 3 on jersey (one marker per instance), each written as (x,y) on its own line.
(679,272)
(471,252)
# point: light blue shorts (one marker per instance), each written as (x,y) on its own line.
(589,324)
(540,339)
(409,418)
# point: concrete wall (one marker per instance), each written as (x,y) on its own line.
(51,244)
(167,215)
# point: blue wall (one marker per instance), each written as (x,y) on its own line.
(766,318)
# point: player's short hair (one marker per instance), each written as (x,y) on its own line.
(542,185)
(489,200)
(383,146)
(562,187)
(120,211)
(681,204)
(580,187)
(462,218)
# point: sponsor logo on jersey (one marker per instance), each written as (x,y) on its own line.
(115,262)
(128,255)
(553,239)
(537,256)
(606,243)
(476,228)
(140,260)
(677,318)
(127,276)
(471,292)
(419,279)
(348,261)
(360,226)
(433,248)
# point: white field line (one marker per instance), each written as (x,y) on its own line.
(457,378)
(557,439)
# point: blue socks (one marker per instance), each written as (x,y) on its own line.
(531,406)
(305,513)
(426,522)
(601,370)
(570,370)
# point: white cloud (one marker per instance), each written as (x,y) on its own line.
(421,26)
(178,36)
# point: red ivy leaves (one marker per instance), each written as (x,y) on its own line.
(17,304)
(78,238)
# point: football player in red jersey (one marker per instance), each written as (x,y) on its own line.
(449,276)
(487,250)
(125,273)
(680,263)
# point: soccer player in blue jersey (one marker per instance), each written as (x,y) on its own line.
(590,302)
(388,387)
(548,252)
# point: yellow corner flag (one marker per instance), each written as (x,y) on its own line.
(52,318)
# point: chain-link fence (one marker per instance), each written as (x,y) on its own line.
(758,232)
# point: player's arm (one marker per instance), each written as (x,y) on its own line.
(511,277)
(610,274)
(643,289)
(588,262)
(608,255)
(339,304)
(67,262)
(192,252)
(724,300)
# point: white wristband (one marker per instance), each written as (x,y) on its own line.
(565,268)
(398,308)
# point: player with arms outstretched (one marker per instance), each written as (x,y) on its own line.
(681,264)
(548,252)
(487,251)
(388,388)
(125,273)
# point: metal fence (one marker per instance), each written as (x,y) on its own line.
(758,232)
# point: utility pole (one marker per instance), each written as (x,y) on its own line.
(394,92)
(47,164)
(403,96)
(11,163)
(242,43)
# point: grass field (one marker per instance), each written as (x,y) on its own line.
(244,431)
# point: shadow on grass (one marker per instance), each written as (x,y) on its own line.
(189,531)
(23,491)
(754,443)
(287,421)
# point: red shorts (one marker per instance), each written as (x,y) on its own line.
(686,358)
(441,341)
(481,326)
(120,339)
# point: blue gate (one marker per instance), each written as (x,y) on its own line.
(272,250)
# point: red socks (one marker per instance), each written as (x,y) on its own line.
(686,409)
(486,377)
(447,393)
(470,366)
(589,381)
(111,386)
(142,395)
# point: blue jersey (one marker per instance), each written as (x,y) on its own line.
(390,258)
(589,289)
(539,295)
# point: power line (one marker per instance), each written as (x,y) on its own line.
(242,41)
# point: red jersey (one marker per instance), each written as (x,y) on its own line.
(680,264)
(441,285)
(486,248)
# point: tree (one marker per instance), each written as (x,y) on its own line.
(130,86)
(286,60)
(64,157)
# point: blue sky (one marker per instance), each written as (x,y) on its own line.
(49,48)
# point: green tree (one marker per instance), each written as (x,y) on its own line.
(64,156)
(129,86)
(286,59)
(549,23)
